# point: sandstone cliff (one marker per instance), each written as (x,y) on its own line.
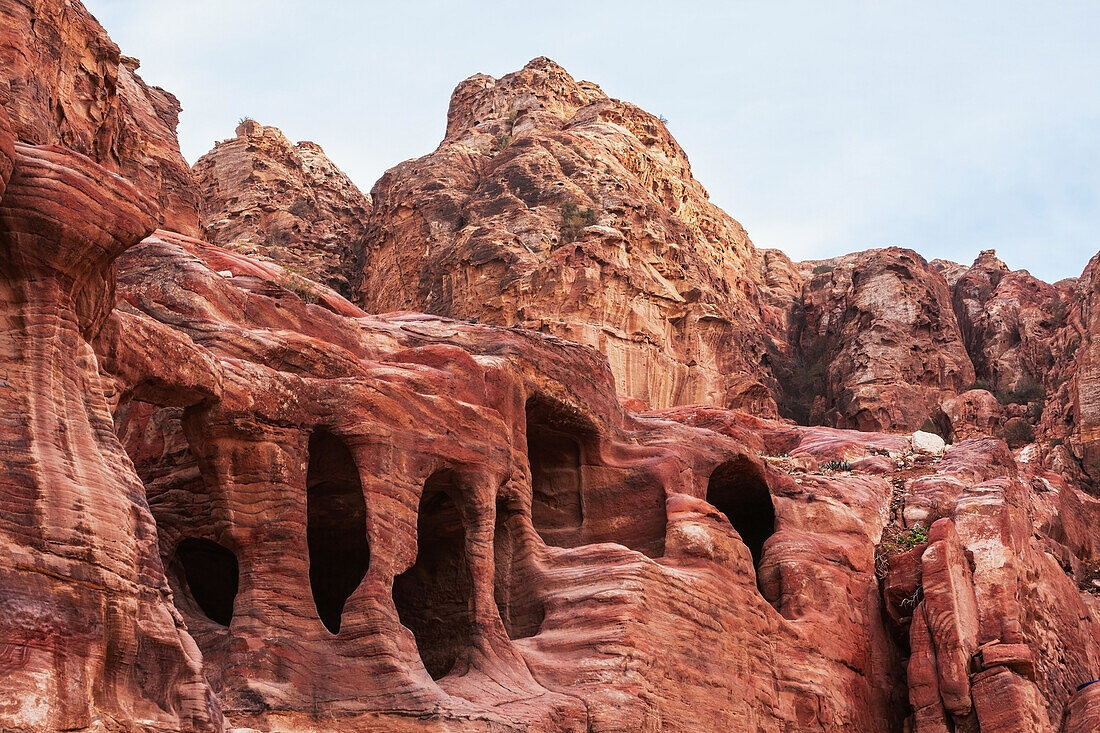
(551,206)
(66,83)
(875,341)
(263,196)
(231,498)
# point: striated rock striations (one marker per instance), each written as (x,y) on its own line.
(231,499)
(67,84)
(89,637)
(551,206)
(263,196)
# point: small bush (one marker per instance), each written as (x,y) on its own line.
(500,142)
(573,221)
(984,292)
(1018,432)
(836,466)
(1025,391)
(929,426)
(896,540)
(293,280)
(822,269)
(915,535)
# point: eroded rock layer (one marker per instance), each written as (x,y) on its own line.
(66,83)
(551,206)
(230,498)
(263,196)
(89,638)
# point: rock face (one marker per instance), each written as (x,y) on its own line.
(1008,320)
(67,84)
(229,498)
(876,343)
(88,633)
(550,206)
(263,196)
(1071,414)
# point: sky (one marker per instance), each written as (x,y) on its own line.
(824,128)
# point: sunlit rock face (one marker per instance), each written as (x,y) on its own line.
(231,498)
(89,637)
(70,86)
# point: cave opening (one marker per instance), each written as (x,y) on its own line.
(738,489)
(433,597)
(212,574)
(556,440)
(336,526)
(518,602)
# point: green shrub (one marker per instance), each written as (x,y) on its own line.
(822,269)
(915,535)
(836,466)
(1025,391)
(500,142)
(929,426)
(293,280)
(573,221)
(1018,432)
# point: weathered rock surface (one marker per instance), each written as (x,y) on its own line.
(551,206)
(306,517)
(1071,413)
(89,638)
(261,195)
(67,84)
(876,344)
(1008,320)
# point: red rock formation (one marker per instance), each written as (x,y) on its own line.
(289,203)
(70,86)
(325,519)
(878,347)
(550,206)
(88,633)
(1071,413)
(543,469)
(1008,320)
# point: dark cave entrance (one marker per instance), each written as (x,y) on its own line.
(737,489)
(521,609)
(336,526)
(555,449)
(433,597)
(212,576)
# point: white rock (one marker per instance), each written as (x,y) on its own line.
(928,443)
(225,273)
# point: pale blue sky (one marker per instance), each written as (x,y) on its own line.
(825,128)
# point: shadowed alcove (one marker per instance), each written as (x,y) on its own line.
(556,442)
(212,575)
(433,596)
(336,526)
(737,489)
(521,609)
